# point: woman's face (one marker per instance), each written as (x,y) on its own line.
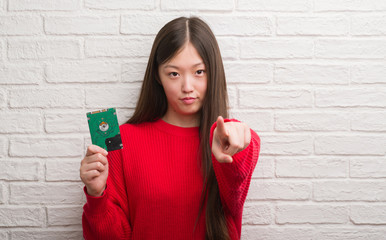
(184,80)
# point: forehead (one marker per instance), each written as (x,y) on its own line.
(186,56)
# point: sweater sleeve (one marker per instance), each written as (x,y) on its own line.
(234,178)
(106,217)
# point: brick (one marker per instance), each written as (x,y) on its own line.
(269,190)
(311,121)
(214,5)
(368,214)
(66,122)
(238,72)
(3,235)
(311,167)
(239,25)
(311,26)
(368,26)
(118,47)
(54,5)
(2,99)
(312,74)
(44,49)
(47,98)
(15,122)
(252,97)
(2,49)
(349,233)
(33,234)
(350,97)
(274,5)
(145,23)
(349,5)
(63,170)
(275,48)
(311,213)
(81,25)
(120,4)
(20,25)
(258,121)
(350,145)
(3,145)
(87,142)
(257,214)
(107,97)
(2,194)
(21,216)
(265,167)
(83,72)
(229,48)
(21,74)
(17,171)
(350,48)
(368,168)
(349,191)
(46,193)
(250,232)
(368,74)
(287,144)
(133,71)
(232,96)
(58,216)
(45,147)
(369,121)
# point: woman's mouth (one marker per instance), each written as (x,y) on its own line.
(188,100)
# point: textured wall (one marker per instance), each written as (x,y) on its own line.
(309,76)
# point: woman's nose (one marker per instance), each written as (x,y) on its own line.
(187,84)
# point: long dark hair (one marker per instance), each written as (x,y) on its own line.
(152,103)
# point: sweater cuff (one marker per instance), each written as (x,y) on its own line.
(96,205)
(242,161)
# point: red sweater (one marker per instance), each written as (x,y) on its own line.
(155,183)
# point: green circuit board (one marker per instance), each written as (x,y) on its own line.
(104,129)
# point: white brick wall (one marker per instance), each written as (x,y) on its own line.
(308,75)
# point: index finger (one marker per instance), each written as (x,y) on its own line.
(221,129)
(92,149)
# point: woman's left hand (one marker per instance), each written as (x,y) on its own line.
(229,138)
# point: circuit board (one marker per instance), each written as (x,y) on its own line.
(104,129)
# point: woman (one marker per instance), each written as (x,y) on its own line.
(184,171)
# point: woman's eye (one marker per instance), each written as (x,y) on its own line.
(173,74)
(200,72)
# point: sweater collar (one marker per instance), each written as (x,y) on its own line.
(176,130)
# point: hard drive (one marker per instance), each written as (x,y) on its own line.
(104,129)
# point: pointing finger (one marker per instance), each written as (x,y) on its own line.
(221,129)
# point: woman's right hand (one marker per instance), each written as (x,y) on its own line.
(94,170)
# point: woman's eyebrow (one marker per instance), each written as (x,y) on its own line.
(176,67)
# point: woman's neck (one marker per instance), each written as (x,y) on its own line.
(182,121)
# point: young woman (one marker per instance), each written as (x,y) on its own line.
(184,171)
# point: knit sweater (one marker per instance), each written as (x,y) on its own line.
(155,184)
